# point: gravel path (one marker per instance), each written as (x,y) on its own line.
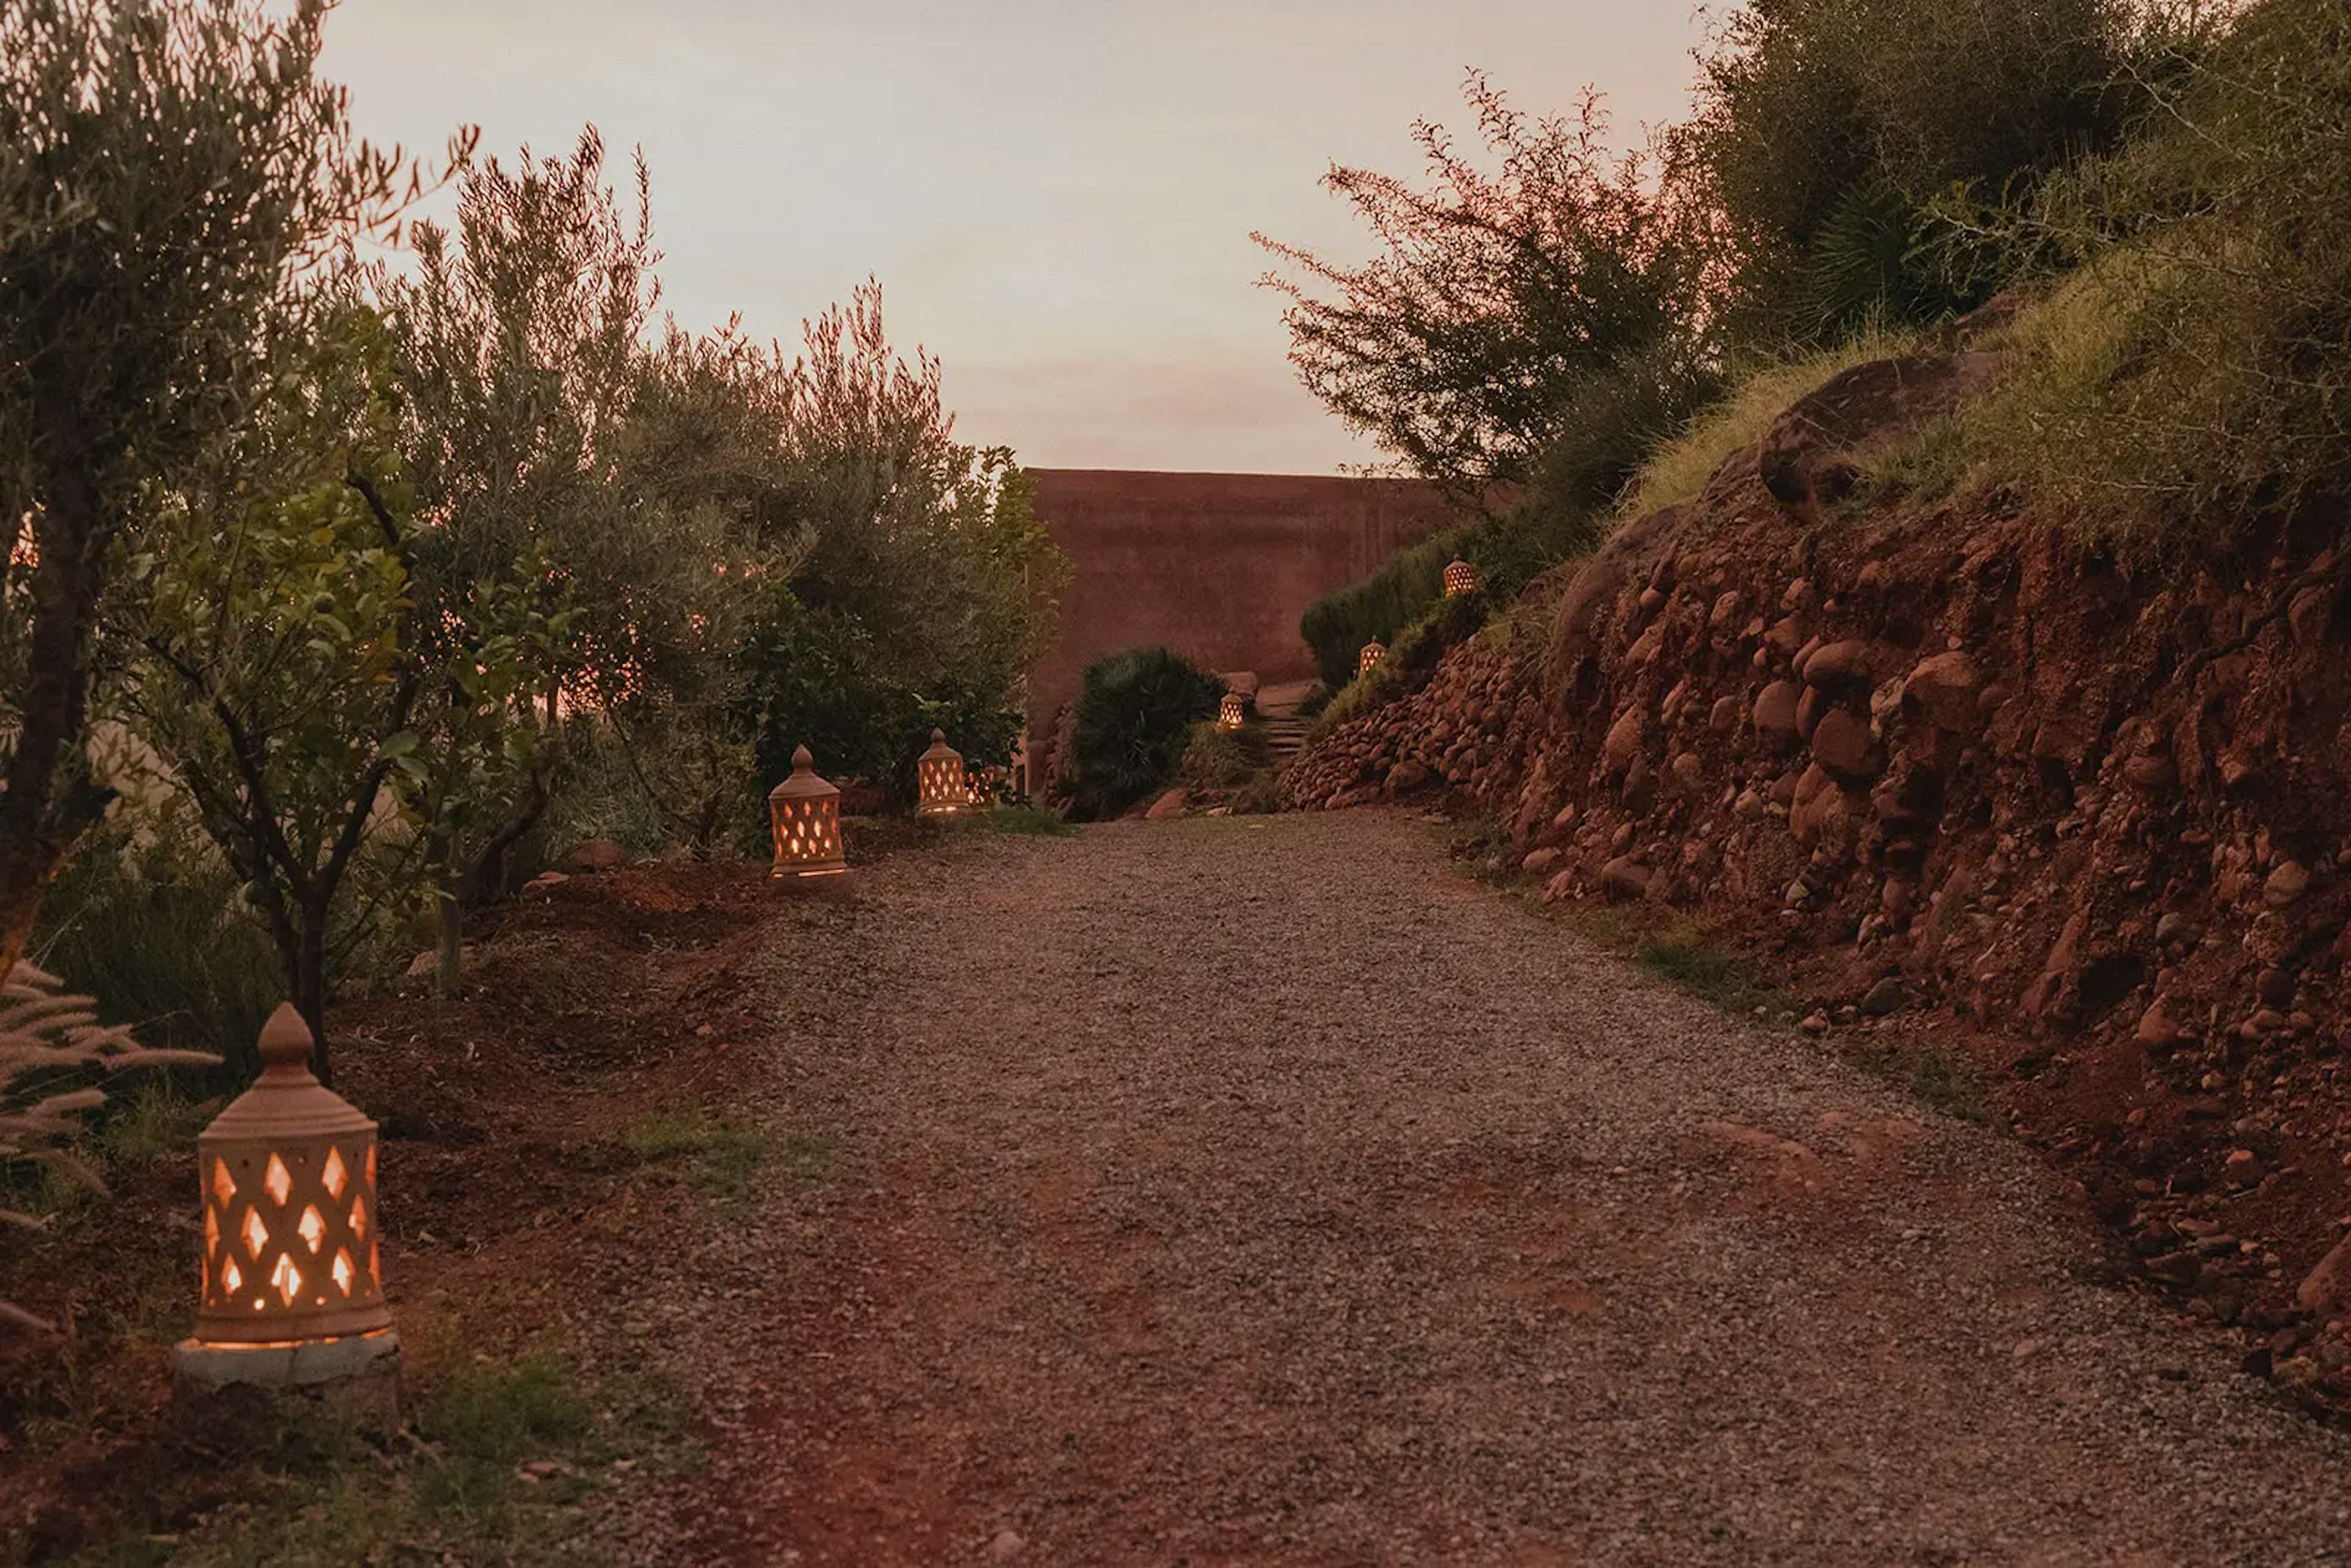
(1259,1190)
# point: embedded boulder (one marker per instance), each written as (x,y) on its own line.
(1775,711)
(1843,745)
(1835,665)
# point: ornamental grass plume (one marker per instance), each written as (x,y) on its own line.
(51,1042)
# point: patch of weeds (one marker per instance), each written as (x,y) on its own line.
(1937,1077)
(482,1423)
(806,1161)
(1481,843)
(1027,821)
(158,1123)
(1686,956)
(496,1457)
(724,1155)
(1259,796)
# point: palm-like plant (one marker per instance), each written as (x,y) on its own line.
(51,1044)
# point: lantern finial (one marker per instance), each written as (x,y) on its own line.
(803,759)
(938,737)
(286,1039)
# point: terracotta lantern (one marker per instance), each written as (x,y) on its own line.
(804,813)
(1460,578)
(940,787)
(1374,651)
(293,1276)
(987,788)
(1231,711)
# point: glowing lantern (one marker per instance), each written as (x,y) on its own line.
(1374,651)
(804,813)
(940,787)
(293,1277)
(1460,578)
(1232,711)
(987,786)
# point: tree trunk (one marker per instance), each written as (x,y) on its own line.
(311,986)
(25,867)
(486,877)
(449,975)
(34,834)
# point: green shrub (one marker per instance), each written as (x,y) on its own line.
(1827,131)
(1510,550)
(1130,725)
(601,797)
(1337,625)
(819,678)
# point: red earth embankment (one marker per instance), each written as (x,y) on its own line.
(1945,767)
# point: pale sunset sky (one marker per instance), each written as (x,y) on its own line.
(1056,195)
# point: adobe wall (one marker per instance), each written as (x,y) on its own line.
(1217,566)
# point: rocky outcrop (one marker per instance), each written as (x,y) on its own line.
(1952,766)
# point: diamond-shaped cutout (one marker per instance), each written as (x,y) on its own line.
(342,1271)
(358,1219)
(223,1186)
(311,1229)
(287,1280)
(371,1165)
(231,1279)
(332,1176)
(212,1231)
(256,1235)
(278,1181)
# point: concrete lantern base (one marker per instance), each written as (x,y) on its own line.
(353,1380)
(831,884)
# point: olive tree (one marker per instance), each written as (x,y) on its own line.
(276,664)
(169,170)
(927,587)
(519,342)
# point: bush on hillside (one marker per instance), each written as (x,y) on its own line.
(1129,724)
(2199,365)
(1509,293)
(1826,129)
(1411,657)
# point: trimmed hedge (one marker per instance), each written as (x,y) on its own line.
(1509,551)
